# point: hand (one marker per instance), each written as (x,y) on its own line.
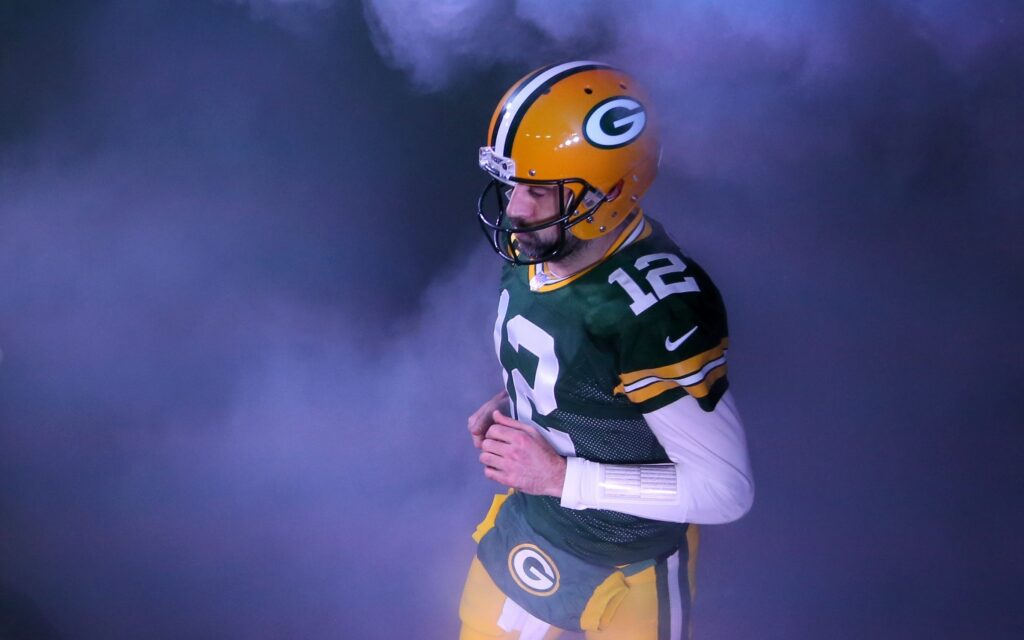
(517,455)
(480,421)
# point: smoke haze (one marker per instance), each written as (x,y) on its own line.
(246,308)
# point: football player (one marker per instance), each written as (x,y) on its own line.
(616,431)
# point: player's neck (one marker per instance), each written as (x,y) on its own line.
(586,254)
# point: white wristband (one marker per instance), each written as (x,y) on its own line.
(637,483)
(594,485)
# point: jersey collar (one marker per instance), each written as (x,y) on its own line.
(542,280)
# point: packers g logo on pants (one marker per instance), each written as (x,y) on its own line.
(533,570)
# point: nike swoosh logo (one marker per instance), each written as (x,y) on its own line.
(672,345)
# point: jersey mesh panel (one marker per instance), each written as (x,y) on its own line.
(623,441)
(619,441)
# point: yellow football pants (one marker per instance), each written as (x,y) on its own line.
(656,607)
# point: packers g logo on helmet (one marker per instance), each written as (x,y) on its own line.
(615,122)
(583,127)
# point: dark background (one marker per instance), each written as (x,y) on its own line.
(245,307)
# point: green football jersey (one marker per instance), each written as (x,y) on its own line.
(585,357)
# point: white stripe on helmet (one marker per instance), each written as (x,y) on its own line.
(512,108)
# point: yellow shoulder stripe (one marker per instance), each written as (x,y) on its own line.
(695,374)
(655,389)
(678,369)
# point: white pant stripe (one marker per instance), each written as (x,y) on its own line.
(674,600)
(515,618)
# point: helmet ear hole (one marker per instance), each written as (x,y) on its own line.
(615,191)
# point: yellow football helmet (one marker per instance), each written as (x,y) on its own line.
(582,126)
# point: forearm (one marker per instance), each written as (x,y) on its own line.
(708,481)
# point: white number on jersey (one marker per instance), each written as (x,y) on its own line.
(523,334)
(642,300)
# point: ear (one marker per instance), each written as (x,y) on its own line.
(615,192)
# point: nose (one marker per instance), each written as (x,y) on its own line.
(520,206)
(525,208)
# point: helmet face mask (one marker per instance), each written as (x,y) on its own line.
(502,232)
(580,127)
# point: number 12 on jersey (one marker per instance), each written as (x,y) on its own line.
(644,300)
(524,335)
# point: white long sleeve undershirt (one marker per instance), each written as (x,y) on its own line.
(708,450)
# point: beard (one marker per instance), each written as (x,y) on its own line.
(535,246)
